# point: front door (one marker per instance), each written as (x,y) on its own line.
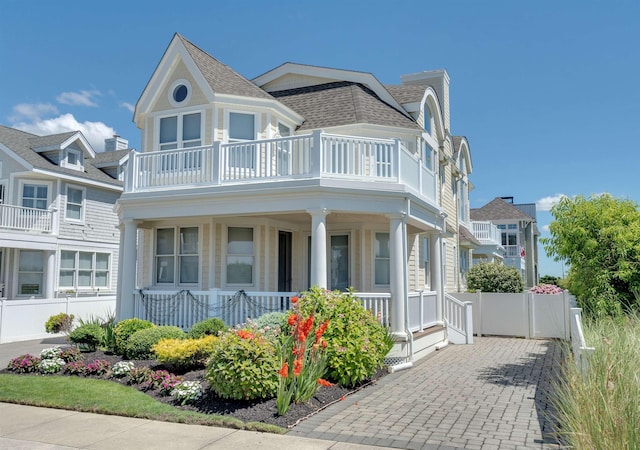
(339,262)
(284,261)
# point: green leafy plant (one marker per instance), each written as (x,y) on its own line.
(87,336)
(140,344)
(183,354)
(244,365)
(74,368)
(24,364)
(59,323)
(50,366)
(211,326)
(357,342)
(494,277)
(273,320)
(187,392)
(70,354)
(126,328)
(97,367)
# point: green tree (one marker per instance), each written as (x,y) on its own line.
(599,237)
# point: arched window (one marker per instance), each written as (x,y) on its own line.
(428,119)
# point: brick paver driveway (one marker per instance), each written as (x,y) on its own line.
(490,395)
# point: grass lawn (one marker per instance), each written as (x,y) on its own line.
(106,397)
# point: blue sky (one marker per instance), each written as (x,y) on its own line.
(547,92)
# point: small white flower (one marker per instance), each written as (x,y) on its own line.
(122,368)
(51,365)
(51,352)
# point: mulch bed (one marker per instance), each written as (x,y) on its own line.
(247,411)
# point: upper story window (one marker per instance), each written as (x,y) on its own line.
(180,131)
(75,204)
(179,92)
(428,119)
(509,233)
(242,127)
(74,159)
(34,196)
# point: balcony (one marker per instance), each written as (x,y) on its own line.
(312,156)
(487,233)
(20,218)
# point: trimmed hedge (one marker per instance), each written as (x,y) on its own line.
(140,344)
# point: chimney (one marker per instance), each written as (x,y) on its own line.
(115,143)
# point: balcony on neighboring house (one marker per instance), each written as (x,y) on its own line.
(20,218)
(487,233)
(311,156)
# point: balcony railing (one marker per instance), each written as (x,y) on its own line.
(317,155)
(487,233)
(25,219)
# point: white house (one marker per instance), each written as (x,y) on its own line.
(59,234)
(302,176)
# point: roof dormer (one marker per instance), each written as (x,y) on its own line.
(68,150)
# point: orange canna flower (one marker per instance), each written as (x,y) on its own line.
(292,319)
(297,366)
(323,382)
(244,334)
(324,344)
(294,299)
(284,370)
(321,329)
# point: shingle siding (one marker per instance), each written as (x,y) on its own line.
(100,222)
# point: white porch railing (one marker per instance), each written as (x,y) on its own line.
(317,155)
(486,232)
(422,311)
(579,346)
(185,308)
(458,317)
(25,219)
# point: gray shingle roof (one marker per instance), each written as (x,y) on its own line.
(467,236)
(23,143)
(498,209)
(222,78)
(341,103)
(407,93)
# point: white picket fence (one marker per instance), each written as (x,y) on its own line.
(23,320)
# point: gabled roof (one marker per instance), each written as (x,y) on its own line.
(50,141)
(23,144)
(407,93)
(498,209)
(220,77)
(467,236)
(341,103)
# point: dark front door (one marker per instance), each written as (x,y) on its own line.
(284,261)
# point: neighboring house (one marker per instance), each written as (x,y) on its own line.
(518,233)
(302,176)
(59,234)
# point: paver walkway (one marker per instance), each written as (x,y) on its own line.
(489,395)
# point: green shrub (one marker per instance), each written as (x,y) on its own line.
(126,328)
(211,326)
(88,336)
(185,353)
(244,366)
(59,323)
(272,320)
(494,277)
(139,345)
(356,342)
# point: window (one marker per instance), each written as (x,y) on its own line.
(83,270)
(179,92)
(240,255)
(382,259)
(2,193)
(428,119)
(34,196)
(75,200)
(339,262)
(425,264)
(241,127)
(428,156)
(177,259)
(181,131)
(74,158)
(30,272)
(283,151)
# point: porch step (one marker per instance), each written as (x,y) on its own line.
(424,342)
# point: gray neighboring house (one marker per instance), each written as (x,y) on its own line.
(519,234)
(59,233)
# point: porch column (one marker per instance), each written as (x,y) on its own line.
(397,235)
(319,247)
(435,255)
(127,270)
(50,280)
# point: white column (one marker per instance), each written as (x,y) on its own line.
(127,270)
(435,256)
(397,276)
(51,275)
(319,247)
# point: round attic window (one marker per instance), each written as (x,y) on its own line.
(180,93)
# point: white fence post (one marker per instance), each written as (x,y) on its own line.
(468,321)
(2,302)
(480,313)
(317,154)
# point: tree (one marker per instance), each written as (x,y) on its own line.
(494,277)
(599,237)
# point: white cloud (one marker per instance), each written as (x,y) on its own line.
(95,132)
(545,228)
(32,111)
(82,98)
(545,204)
(128,106)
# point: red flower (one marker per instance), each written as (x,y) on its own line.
(321,329)
(297,366)
(284,370)
(323,382)
(244,334)
(292,319)
(294,299)
(324,344)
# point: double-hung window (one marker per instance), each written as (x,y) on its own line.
(31,272)
(425,263)
(240,255)
(177,259)
(75,204)
(83,270)
(242,127)
(180,131)
(382,259)
(34,196)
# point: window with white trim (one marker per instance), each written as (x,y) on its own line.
(3,189)
(177,259)
(75,204)
(242,127)
(428,119)
(180,131)
(74,159)
(382,259)
(240,255)
(425,263)
(84,270)
(31,272)
(34,196)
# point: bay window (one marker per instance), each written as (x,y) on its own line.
(180,131)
